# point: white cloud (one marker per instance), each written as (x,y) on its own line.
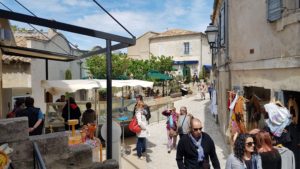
(46,6)
(167,14)
(81,3)
(136,23)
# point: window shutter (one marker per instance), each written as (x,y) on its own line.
(222,25)
(274,10)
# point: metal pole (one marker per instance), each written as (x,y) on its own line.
(46,67)
(109,100)
(97,113)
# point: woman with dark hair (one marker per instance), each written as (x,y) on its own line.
(244,155)
(270,156)
(73,114)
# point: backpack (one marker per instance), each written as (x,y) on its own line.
(148,113)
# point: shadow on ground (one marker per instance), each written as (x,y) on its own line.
(213,129)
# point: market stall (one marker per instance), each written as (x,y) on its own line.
(56,87)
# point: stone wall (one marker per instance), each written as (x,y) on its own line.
(54,148)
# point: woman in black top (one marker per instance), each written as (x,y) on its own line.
(270,156)
(71,111)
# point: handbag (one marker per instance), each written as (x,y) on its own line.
(134,126)
(172,133)
(180,129)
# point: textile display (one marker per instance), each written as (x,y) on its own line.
(213,105)
(279,118)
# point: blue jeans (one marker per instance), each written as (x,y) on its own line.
(141,146)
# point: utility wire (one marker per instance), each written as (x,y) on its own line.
(36,16)
(113,18)
(44,34)
(39,31)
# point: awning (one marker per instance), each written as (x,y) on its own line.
(155,75)
(207,67)
(61,86)
(185,62)
(35,53)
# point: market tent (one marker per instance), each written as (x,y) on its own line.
(156,75)
(61,86)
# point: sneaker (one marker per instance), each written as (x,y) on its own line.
(141,158)
(169,151)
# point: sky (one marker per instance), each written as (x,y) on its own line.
(138,16)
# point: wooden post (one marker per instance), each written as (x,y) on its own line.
(1,111)
(101,152)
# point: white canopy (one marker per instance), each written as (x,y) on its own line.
(61,86)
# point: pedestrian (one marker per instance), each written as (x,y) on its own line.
(71,111)
(35,117)
(196,148)
(19,106)
(194,78)
(146,110)
(59,108)
(244,155)
(203,90)
(270,156)
(88,116)
(184,122)
(171,128)
(141,137)
(210,89)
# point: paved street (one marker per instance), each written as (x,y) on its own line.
(157,156)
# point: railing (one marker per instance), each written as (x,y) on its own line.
(38,161)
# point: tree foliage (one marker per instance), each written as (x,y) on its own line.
(97,65)
(68,74)
(122,65)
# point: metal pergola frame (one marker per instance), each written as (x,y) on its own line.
(122,42)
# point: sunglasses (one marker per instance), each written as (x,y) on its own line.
(196,129)
(249,144)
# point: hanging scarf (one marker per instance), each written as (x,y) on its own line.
(199,148)
(171,123)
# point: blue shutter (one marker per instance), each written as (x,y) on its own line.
(274,10)
(222,25)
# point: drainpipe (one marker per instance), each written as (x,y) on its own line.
(227,42)
(201,65)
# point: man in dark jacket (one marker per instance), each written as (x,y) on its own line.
(195,149)
(89,116)
(35,117)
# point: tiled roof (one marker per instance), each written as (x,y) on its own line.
(8,59)
(175,32)
(21,41)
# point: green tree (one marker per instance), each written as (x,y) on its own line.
(68,74)
(122,65)
(97,65)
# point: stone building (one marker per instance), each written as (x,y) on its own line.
(257,51)
(186,47)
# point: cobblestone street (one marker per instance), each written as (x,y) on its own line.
(157,156)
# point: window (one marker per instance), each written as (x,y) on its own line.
(222,25)
(274,10)
(186,48)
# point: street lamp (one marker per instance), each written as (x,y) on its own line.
(211,32)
